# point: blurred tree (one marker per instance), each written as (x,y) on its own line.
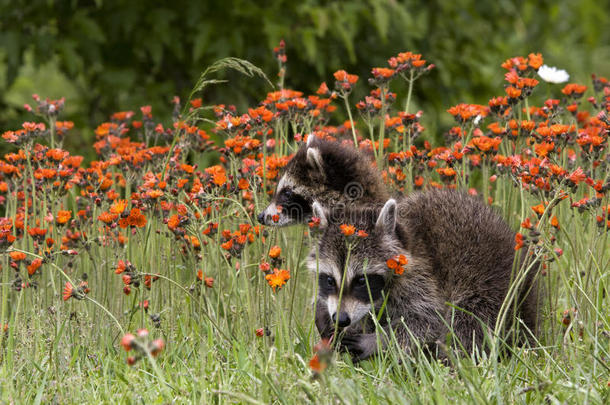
(120,54)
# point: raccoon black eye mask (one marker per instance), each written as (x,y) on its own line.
(362,288)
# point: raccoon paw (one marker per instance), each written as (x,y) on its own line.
(360,346)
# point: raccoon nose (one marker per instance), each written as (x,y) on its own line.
(261,217)
(343,319)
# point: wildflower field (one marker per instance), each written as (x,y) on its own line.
(144,277)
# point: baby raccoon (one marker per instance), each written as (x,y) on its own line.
(325,171)
(459,266)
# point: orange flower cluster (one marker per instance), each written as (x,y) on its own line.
(350,230)
(468,112)
(322,356)
(522,64)
(409,62)
(574,90)
(141,345)
(235,242)
(344,81)
(397,263)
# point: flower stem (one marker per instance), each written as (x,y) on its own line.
(409,92)
(381,128)
(351,120)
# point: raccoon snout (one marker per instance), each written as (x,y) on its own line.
(261,217)
(344,319)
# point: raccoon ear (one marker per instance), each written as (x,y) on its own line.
(319,212)
(314,158)
(310,139)
(386,222)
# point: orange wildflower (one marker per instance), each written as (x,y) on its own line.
(209,281)
(348,230)
(121,267)
(513,92)
(343,76)
(107,217)
(574,90)
(278,278)
(518,241)
(154,193)
(136,218)
(218,173)
(243,184)
(485,144)
(63,217)
(397,264)
(173,222)
(555,222)
(275,252)
(385,73)
(539,209)
(577,176)
(118,206)
(535,60)
(68,290)
(35,265)
(316,365)
(17,256)
(127,341)
(323,89)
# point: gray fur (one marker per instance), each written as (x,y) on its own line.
(460,254)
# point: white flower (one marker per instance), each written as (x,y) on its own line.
(477,119)
(551,74)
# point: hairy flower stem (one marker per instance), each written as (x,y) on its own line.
(384,91)
(351,120)
(296,273)
(103,308)
(164,384)
(409,92)
(527,110)
(52,131)
(349,251)
(409,165)
(11,336)
(485,170)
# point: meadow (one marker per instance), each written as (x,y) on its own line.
(143,276)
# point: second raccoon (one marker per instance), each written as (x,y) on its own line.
(458,273)
(328,172)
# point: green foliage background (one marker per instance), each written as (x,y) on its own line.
(109,55)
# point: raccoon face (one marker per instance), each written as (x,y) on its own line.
(301,180)
(291,204)
(360,295)
(361,268)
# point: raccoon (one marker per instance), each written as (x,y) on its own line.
(328,172)
(459,268)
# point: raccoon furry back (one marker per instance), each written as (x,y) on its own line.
(471,250)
